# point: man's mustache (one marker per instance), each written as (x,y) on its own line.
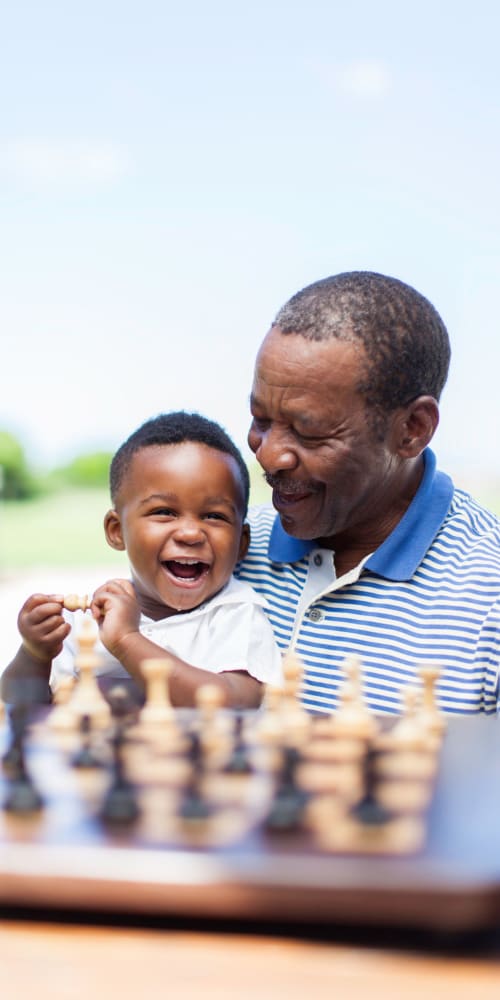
(292,487)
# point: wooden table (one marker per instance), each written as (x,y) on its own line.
(67,962)
(156,945)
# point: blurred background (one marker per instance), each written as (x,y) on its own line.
(169,175)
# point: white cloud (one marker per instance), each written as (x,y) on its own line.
(47,161)
(364,79)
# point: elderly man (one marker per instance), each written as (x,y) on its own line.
(373,552)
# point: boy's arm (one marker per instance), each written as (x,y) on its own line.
(239,689)
(117,613)
(43,630)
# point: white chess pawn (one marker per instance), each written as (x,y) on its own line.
(62,716)
(269,727)
(158,707)
(215,726)
(430,715)
(295,721)
(409,733)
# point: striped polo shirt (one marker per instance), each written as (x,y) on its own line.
(429,594)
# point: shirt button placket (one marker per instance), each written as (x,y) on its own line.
(315,615)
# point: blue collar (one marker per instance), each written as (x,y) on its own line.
(403,550)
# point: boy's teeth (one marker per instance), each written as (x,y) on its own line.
(188,569)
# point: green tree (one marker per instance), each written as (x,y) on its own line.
(16,479)
(87,470)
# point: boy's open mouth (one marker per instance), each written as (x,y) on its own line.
(189,571)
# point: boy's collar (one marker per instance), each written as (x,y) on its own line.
(403,550)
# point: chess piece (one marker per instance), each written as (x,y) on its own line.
(286,814)
(430,715)
(22,796)
(86,698)
(86,756)
(408,733)
(62,717)
(295,721)
(239,761)
(13,758)
(368,810)
(122,705)
(72,602)
(353,718)
(195,807)
(157,708)
(214,726)
(268,727)
(120,806)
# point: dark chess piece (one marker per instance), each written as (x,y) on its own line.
(86,755)
(239,761)
(368,810)
(22,796)
(13,758)
(122,703)
(287,809)
(194,806)
(120,806)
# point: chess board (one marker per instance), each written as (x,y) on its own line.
(63,856)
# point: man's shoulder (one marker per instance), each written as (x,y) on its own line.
(470,535)
(472,516)
(261,520)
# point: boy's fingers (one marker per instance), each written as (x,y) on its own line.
(117,587)
(61,631)
(36,599)
(39,614)
(52,626)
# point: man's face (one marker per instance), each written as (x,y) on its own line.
(328,469)
(179,514)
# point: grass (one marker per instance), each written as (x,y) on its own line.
(60,529)
(65,529)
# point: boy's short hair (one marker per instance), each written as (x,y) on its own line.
(176,428)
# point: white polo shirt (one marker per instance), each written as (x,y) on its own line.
(231,631)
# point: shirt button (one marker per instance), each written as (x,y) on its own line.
(315,615)
(318,559)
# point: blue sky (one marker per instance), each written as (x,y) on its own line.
(170,174)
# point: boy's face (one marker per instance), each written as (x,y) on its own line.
(179,515)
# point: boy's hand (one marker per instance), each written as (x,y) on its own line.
(117,613)
(42,626)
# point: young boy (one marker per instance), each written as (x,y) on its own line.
(179,489)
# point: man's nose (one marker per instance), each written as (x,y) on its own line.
(273,450)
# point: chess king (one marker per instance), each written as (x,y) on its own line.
(179,490)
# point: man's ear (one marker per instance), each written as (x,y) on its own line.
(113,530)
(415,426)
(244,541)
